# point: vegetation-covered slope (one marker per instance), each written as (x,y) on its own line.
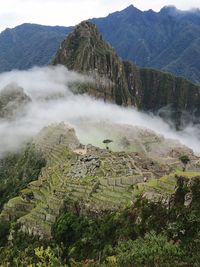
(167,40)
(17,170)
(28,45)
(85,51)
(179,97)
(132,203)
(122,82)
(95,206)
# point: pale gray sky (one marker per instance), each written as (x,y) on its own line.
(71,12)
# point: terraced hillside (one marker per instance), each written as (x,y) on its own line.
(88,180)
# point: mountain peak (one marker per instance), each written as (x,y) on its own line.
(169,10)
(85,51)
(81,42)
(173,11)
(131,9)
(86,29)
(85,25)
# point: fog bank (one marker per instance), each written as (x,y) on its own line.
(52,102)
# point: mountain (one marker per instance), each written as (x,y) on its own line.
(69,202)
(105,199)
(28,45)
(85,51)
(124,83)
(60,196)
(102,192)
(167,40)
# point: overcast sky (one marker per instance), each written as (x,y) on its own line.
(71,12)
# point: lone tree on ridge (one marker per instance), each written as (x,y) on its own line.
(107,141)
(184,159)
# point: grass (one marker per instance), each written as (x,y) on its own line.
(14,201)
(106,196)
(26,191)
(138,190)
(154,183)
(187,174)
(166,179)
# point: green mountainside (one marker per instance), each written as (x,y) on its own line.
(93,200)
(28,45)
(128,201)
(167,40)
(85,51)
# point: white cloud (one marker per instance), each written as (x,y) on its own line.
(81,112)
(71,12)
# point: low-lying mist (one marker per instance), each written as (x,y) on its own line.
(52,101)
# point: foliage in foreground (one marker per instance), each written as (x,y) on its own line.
(147,234)
(17,170)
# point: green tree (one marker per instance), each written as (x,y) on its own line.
(184,159)
(107,141)
(47,258)
(152,250)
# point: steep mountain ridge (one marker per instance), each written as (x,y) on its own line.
(85,51)
(28,45)
(167,40)
(130,199)
(155,39)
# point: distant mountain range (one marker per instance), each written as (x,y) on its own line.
(168,40)
(28,45)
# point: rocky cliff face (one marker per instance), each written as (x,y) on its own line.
(85,51)
(122,82)
(180,96)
